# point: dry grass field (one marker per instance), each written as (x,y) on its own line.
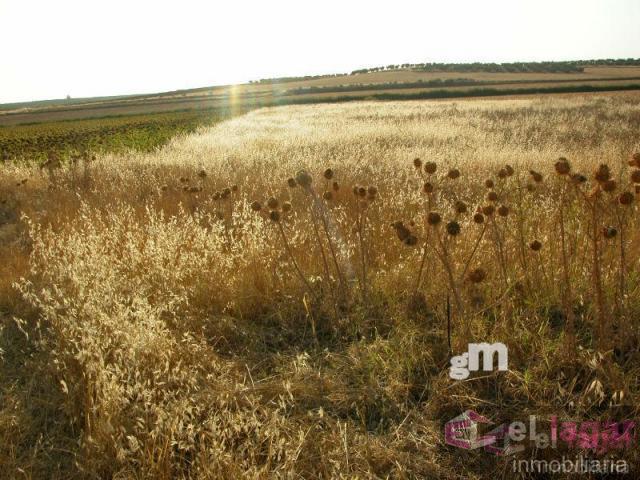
(241,97)
(279,295)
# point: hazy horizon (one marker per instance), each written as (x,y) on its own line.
(71,48)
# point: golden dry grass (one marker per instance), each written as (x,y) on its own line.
(153,330)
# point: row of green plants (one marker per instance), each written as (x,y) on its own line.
(67,139)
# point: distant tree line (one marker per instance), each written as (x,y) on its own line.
(573,66)
(295,79)
(570,66)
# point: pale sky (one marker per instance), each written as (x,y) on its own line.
(51,48)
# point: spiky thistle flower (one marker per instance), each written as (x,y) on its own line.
(578,178)
(535,245)
(273,203)
(478,218)
(626,198)
(609,232)
(562,166)
(434,218)
(602,173)
(460,207)
(430,167)
(488,210)
(537,177)
(477,275)
(274,215)
(304,179)
(609,186)
(453,228)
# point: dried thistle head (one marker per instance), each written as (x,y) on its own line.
(417,163)
(492,196)
(602,173)
(609,232)
(430,167)
(428,187)
(362,192)
(502,173)
(234,188)
(328,195)
(202,174)
(303,179)
(274,215)
(411,240)
(478,218)
(562,166)
(634,161)
(635,176)
(434,218)
(453,228)
(453,173)
(536,176)
(609,186)
(625,198)
(217,195)
(286,207)
(503,210)
(578,178)
(328,174)
(184,180)
(273,203)
(460,207)
(292,182)
(401,231)
(509,169)
(488,210)
(477,275)
(256,206)
(536,245)
(489,183)
(372,190)
(225,193)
